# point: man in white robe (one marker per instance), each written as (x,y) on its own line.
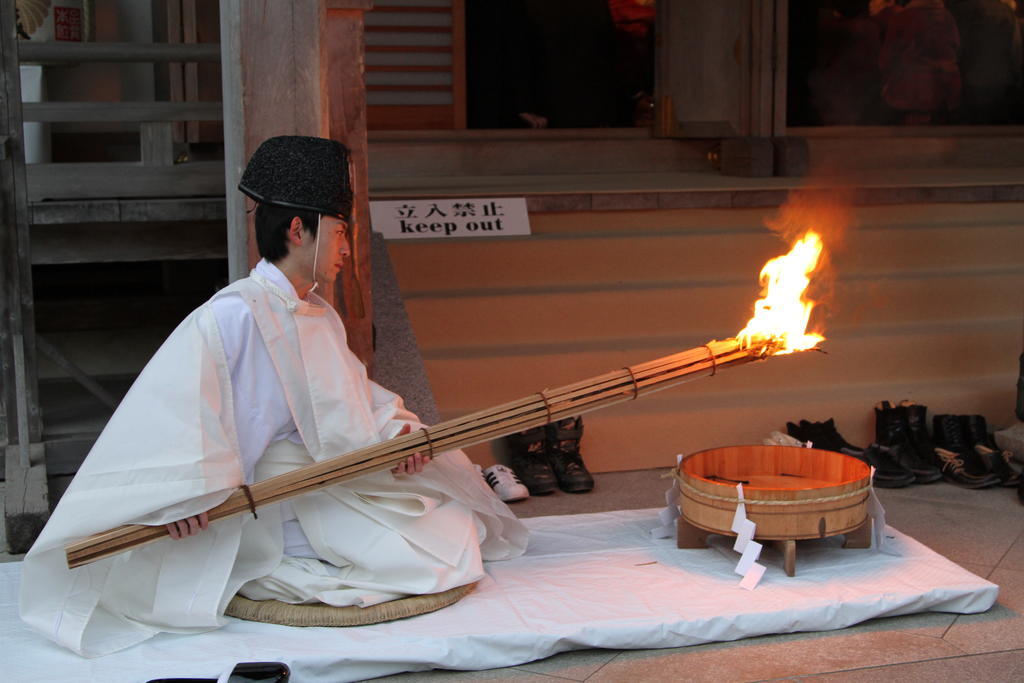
(256,382)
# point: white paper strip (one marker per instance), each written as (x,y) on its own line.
(877,514)
(751,578)
(670,514)
(748,558)
(744,535)
(745,544)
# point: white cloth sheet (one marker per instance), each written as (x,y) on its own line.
(595,580)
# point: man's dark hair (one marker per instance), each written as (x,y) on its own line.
(272,223)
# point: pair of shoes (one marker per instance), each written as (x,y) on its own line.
(994,458)
(904,430)
(823,435)
(889,473)
(548,457)
(504,483)
(961,463)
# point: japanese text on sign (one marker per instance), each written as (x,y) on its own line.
(451,218)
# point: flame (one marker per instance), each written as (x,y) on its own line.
(781,315)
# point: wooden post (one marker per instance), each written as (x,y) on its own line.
(346,94)
(26,505)
(275,63)
(722,70)
(157,142)
(861,536)
(688,536)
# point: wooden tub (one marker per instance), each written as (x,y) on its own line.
(791,494)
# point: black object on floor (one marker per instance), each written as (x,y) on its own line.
(829,437)
(528,458)
(917,431)
(889,474)
(961,465)
(823,435)
(563,439)
(984,444)
(892,430)
(245,672)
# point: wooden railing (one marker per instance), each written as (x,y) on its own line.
(158,172)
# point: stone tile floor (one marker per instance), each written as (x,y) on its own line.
(981,530)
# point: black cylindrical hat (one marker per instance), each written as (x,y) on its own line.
(301,172)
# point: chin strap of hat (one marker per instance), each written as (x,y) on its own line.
(316,252)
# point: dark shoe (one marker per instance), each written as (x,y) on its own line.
(889,428)
(563,449)
(889,474)
(995,459)
(976,432)
(828,433)
(244,672)
(917,426)
(892,430)
(795,431)
(822,435)
(999,464)
(960,464)
(529,460)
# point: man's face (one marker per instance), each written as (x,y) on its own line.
(334,249)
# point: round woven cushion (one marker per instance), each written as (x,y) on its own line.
(277,612)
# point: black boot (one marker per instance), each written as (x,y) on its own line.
(892,430)
(563,450)
(997,460)
(529,460)
(889,474)
(960,464)
(796,431)
(827,431)
(917,431)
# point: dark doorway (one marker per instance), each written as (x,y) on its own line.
(565,64)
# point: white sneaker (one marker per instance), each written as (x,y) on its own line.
(505,483)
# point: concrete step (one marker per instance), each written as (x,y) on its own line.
(584,191)
(569,317)
(925,306)
(959,369)
(465,383)
(898,148)
(560,261)
(753,219)
(501,153)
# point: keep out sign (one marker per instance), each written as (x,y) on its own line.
(450,218)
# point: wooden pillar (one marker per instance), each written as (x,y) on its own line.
(346,93)
(722,74)
(26,506)
(275,62)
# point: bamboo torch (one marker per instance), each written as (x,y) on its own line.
(543,407)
